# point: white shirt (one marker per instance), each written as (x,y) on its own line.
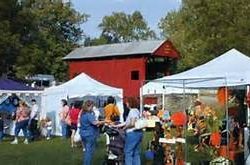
(133,114)
(96,112)
(34,112)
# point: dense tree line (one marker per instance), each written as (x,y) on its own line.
(35,35)
(204,29)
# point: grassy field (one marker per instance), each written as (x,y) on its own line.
(58,152)
(53,152)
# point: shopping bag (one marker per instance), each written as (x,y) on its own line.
(77,137)
(141,123)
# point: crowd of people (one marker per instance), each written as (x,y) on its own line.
(85,118)
(89,120)
(82,115)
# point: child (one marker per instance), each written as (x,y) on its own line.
(48,127)
(1,128)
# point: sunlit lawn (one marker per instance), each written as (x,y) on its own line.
(53,152)
(58,152)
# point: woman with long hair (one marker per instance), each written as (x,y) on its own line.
(63,116)
(22,120)
(133,137)
(88,130)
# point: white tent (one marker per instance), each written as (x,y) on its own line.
(158,88)
(80,86)
(230,69)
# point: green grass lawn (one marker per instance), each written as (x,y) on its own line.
(53,152)
(58,152)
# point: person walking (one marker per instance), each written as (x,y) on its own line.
(88,131)
(33,130)
(63,115)
(133,137)
(22,120)
(73,116)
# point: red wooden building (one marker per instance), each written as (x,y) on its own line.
(124,65)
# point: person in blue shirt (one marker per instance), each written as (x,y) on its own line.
(88,131)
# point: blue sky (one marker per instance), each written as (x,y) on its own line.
(152,11)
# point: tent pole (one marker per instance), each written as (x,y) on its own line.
(227,117)
(185,126)
(141,98)
(163,98)
(248,108)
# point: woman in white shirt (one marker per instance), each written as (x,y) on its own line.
(133,136)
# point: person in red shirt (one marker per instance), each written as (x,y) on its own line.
(73,116)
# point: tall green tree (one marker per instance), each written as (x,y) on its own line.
(204,29)
(121,27)
(52,34)
(36,35)
(9,41)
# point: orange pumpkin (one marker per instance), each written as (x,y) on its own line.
(179,118)
(215,139)
(180,162)
(223,151)
(222,95)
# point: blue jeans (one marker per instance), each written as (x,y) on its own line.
(22,125)
(64,129)
(1,136)
(89,144)
(32,129)
(132,148)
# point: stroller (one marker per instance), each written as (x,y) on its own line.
(115,146)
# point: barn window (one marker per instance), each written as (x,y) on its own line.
(135,75)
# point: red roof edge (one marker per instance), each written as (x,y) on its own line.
(167,49)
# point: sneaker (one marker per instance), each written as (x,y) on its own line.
(83,149)
(112,156)
(14,142)
(26,141)
(48,138)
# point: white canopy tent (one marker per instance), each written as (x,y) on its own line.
(158,88)
(80,86)
(230,69)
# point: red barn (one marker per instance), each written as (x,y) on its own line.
(124,65)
